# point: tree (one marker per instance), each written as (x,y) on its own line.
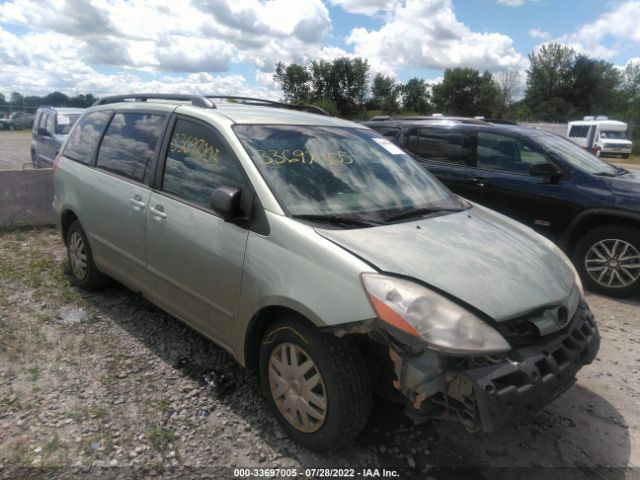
(549,81)
(595,87)
(343,82)
(508,82)
(294,80)
(2,99)
(56,99)
(385,93)
(415,96)
(466,92)
(16,98)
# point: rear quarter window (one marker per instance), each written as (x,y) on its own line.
(84,137)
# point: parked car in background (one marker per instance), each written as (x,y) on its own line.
(589,207)
(16,121)
(600,136)
(21,120)
(320,254)
(50,129)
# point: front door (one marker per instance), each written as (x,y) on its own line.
(194,257)
(501,181)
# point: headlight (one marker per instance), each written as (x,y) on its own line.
(413,310)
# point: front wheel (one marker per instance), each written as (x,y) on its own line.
(608,260)
(316,385)
(625,155)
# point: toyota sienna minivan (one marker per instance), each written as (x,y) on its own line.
(318,253)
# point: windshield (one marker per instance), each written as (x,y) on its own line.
(575,155)
(614,135)
(64,122)
(346,172)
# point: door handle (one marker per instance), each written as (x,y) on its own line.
(158,212)
(479,181)
(137,202)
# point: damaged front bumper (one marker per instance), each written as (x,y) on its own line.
(486,392)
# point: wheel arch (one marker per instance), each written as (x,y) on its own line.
(258,325)
(590,219)
(67,218)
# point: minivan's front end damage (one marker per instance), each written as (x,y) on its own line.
(486,391)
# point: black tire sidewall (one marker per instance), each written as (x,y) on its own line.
(628,234)
(328,436)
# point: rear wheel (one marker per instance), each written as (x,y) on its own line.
(608,259)
(626,155)
(317,385)
(84,272)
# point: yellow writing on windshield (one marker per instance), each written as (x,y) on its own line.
(308,157)
(196,147)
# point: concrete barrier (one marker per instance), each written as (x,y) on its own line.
(25,198)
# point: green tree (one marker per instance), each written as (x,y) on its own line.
(16,98)
(294,80)
(466,92)
(595,87)
(385,92)
(549,82)
(56,99)
(415,96)
(343,82)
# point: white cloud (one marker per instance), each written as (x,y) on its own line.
(619,26)
(539,34)
(427,34)
(169,35)
(365,7)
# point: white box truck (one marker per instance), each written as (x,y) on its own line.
(600,136)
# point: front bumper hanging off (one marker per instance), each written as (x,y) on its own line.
(485,393)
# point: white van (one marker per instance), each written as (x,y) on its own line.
(601,136)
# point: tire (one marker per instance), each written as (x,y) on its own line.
(598,248)
(626,155)
(34,161)
(78,248)
(344,384)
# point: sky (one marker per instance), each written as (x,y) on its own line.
(230,47)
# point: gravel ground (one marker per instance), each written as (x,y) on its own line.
(106,385)
(14,149)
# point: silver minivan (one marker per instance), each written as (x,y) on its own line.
(321,255)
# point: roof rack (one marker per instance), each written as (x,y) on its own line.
(196,100)
(261,102)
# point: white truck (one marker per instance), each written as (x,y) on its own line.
(600,136)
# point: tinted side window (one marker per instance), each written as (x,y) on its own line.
(129,143)
(505,153)
(84,137)
(198,163)
(388,132)
(579,131)
(42,122)
(442,145)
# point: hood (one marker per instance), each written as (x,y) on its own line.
(486,260)
(625,189)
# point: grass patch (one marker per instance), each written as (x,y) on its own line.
(161,438)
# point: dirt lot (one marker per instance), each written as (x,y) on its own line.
(105,385)
(14,149)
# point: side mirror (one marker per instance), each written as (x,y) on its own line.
(43,132)
(225,201)
(545,170)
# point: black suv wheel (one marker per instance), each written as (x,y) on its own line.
(608,260)
(317,385)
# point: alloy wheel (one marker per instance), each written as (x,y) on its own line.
(613,263)
(297,387)
(78,256)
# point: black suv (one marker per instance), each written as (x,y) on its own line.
(589,207)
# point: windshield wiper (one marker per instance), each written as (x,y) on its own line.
(420,212)
(335,219)
(622,171)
